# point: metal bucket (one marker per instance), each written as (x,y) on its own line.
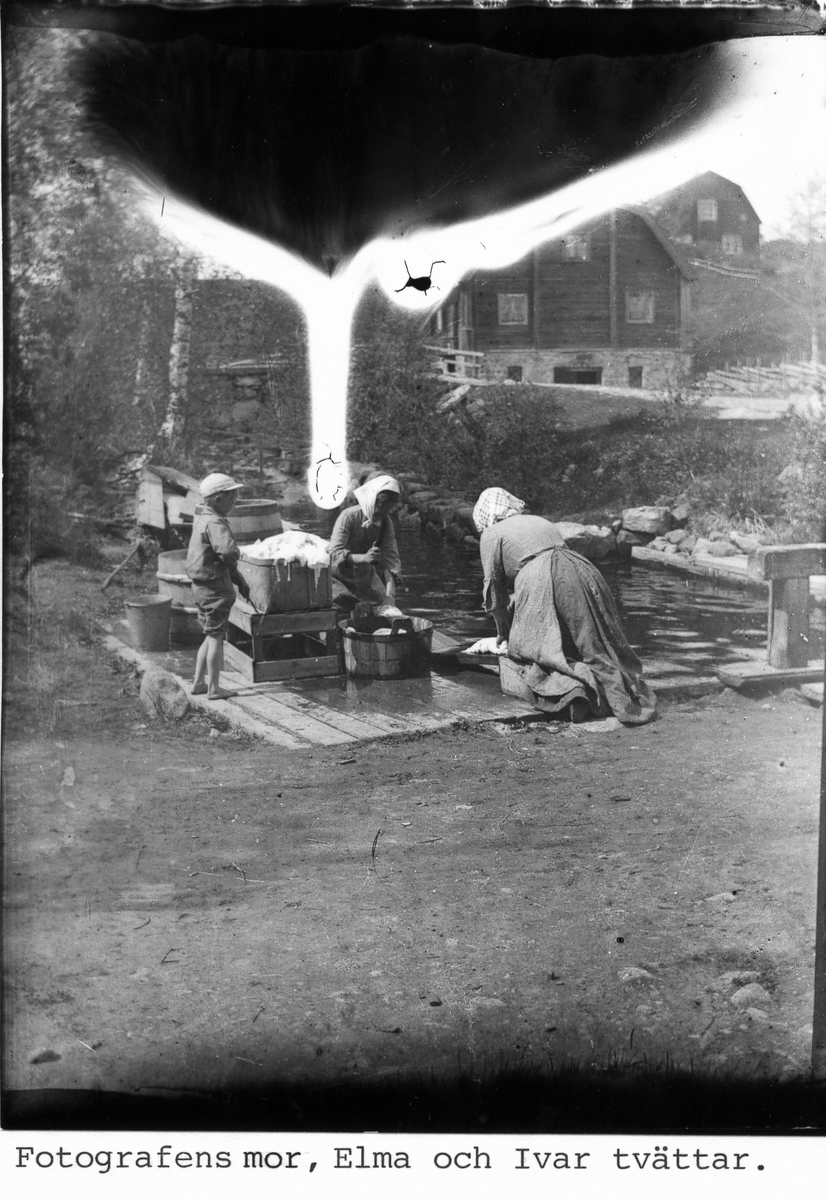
(149,620)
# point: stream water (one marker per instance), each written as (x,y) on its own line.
(690,620)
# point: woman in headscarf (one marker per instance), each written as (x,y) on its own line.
(364,557)
(562,629)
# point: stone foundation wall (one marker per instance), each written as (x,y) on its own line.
(661,369)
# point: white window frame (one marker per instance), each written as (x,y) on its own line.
(576,248)
(707,210)
(732,243)
(512,308)
(641,305)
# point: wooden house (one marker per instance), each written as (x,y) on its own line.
(713,215)
(605,304)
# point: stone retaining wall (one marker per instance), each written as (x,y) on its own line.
(658,527)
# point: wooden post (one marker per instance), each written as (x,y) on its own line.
(612,281)
(535,286)
(787,570)
(819,1014)
(788,622)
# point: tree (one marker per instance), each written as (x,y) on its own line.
(91,283)
(803,278)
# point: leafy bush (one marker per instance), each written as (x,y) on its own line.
(802,483)
(513,442)
(392,395)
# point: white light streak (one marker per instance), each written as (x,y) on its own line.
(759,84)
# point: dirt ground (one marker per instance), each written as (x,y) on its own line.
(188,909)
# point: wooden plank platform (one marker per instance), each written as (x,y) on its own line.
(340,711)
(740,674)
(343,711)
(359,726)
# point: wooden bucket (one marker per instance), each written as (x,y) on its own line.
(402,654)
(172,577)
(254,519)
(184,626)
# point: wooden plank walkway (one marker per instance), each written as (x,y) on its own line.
(736,675)
(339,711)
(342,711)
(733,569)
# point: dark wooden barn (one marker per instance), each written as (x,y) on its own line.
(605,304)
(713,215)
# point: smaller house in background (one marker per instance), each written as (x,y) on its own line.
(605,304)
(711,214)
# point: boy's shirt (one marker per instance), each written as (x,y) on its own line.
(213,551)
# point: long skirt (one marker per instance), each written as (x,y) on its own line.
(567,641)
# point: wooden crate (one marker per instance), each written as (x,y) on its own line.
(272,646)
(286,587)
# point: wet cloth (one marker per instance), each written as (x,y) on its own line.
(565,635)
(352,534)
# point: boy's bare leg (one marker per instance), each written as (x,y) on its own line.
(214,666)
(199,682)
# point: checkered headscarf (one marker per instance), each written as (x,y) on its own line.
(495,504)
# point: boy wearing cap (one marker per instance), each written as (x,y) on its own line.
(210,564)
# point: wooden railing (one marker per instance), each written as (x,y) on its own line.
(456,364)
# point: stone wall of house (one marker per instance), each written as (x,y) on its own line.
(661,369)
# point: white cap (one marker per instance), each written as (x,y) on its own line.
(216,482)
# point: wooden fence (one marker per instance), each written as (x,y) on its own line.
(766,378)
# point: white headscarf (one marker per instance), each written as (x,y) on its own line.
(495,504)
(368,493)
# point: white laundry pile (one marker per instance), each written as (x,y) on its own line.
(294,546)
(487,646)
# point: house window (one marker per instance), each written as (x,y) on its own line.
(592,376)
(635,377)
(513,308)
(732,243)
(515,374)
(639,308)
(706,210)
(576,249)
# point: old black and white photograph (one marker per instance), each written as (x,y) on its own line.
(414,592)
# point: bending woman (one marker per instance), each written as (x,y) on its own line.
(562,629)
(364,557)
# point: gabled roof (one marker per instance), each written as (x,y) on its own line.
(694,184)
(662,237)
